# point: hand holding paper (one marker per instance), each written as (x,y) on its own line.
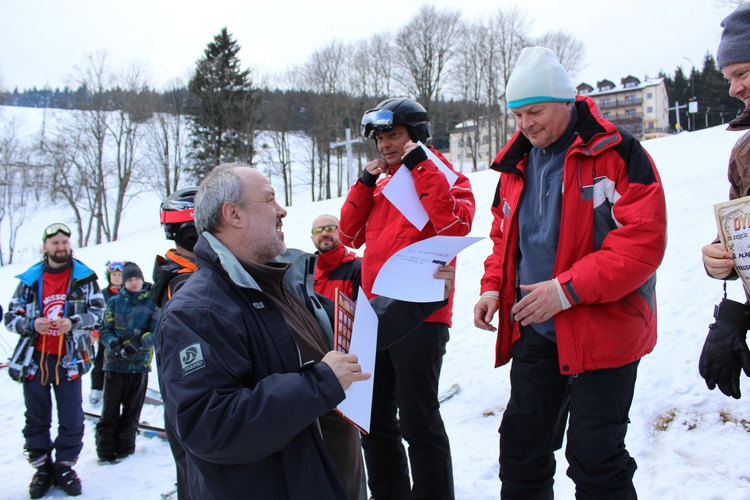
(408,274)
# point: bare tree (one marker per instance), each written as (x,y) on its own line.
(568,48)
(166,140)
(508,36)
(370,67)
(18,183)
(424,49)
(134,108)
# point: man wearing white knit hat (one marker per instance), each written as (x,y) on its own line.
(579,230)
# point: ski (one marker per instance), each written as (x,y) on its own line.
(170,495)
(144,428)
(452,390)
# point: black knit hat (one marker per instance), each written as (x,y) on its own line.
(131,270)
(734,46)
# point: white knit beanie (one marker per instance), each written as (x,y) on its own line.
(735,39)
(538,77)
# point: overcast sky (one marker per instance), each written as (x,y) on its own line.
(42,41)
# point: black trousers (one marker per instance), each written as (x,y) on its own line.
(97,371)
(116,430)
(180,460)
(406,381)
(595,405)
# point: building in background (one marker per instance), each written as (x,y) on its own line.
(642,108)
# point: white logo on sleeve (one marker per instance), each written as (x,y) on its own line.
(191,359)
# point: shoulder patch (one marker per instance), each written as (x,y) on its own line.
(191,359)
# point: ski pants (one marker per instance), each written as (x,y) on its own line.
(37,395)
(116,430)
(594,403)
(406,381)
(97,370)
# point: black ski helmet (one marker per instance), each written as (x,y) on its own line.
(177,217)
(397,111)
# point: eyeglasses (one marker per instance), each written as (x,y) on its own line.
(376,120)
(114,266)
(53,229)
(331,228)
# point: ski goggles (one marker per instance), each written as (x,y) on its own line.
(53,229)
(331,228)
(114,266)
(376,120)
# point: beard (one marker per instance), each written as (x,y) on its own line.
(60,257)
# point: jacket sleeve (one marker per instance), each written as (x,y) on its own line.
(91,317)
(107,334)
(15,317)
(354,214)
(493,264)
(450,209)
(218,413)
(631,252)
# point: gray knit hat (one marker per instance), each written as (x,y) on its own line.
(538,77)
(131,270)
(734,46)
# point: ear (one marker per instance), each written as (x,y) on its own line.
(232,215)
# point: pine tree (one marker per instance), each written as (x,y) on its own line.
(222,106)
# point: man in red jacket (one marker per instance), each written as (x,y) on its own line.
(579,230)
(407,373)
(337,266)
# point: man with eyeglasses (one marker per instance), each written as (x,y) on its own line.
(54,309)
(337,267)
(407,373)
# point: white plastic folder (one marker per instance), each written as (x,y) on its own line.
(407,275)
(357,407)
(402,193)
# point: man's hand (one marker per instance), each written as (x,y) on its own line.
(447,273)
(541,303)
(345,367)
(42,325)
(376,167)
(409,147)
(63,324)
(718,260)
(484,311)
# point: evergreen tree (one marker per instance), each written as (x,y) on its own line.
(222,106)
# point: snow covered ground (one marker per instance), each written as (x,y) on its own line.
(690,443)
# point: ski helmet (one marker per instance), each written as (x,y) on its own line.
(397,111)
(112,265)
(177,217)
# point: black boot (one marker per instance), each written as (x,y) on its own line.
(66,479)
(42,479)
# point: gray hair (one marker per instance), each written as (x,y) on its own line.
(221,185)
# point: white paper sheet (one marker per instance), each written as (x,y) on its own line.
(403,194)
(407,275)
(357,407)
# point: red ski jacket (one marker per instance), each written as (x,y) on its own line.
(612,239)
(338,268)
(368,217)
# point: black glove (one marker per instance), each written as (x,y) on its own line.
(725,351)
(116,349)
(133,347)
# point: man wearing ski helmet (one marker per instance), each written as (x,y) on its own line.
(170,273)
(410,369)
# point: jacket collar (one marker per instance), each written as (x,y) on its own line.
(742,122)
(595,134)
(209,244)
(35,272)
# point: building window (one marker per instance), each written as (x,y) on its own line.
(630,112)
(650,95)
(606,102)
(650,109)
(607,115)
(650,125)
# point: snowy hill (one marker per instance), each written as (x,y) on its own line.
(690,443)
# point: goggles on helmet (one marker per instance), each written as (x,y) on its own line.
(376,120)
(53,229)
(114,266)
